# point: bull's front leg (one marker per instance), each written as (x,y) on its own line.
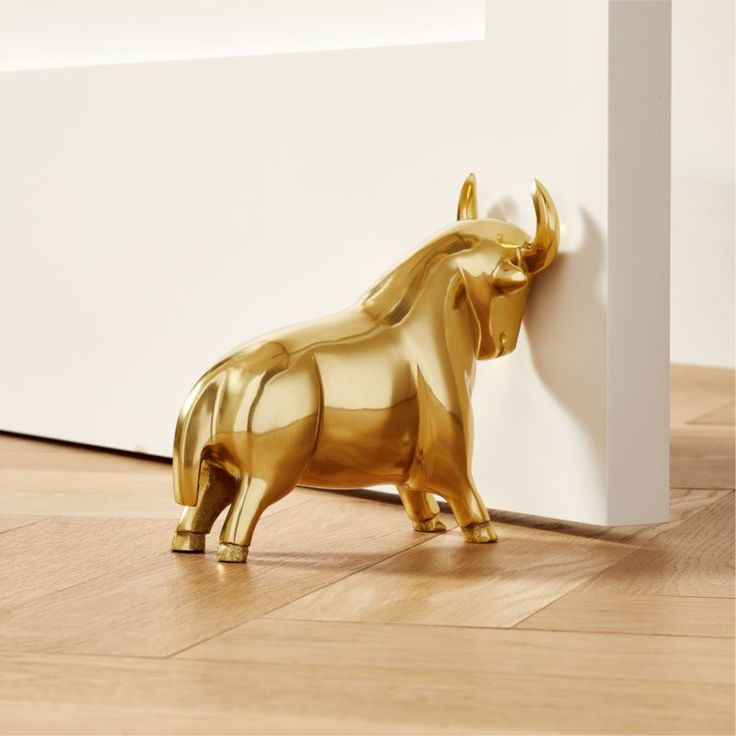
(454,482)
(422,509)
(458,489)
(442,461)
(470,512)
(478,528)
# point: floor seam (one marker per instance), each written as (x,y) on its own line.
(26,525)
(303,595)
(580,585)
(477,627)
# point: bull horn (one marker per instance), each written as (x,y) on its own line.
(467,205)
(541,251)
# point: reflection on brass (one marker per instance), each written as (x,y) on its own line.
(378,394)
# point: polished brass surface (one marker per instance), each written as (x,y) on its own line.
(378,394)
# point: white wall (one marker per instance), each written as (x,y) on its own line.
(156,215)
(46,34)
(703,194)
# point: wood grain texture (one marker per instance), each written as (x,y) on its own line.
(696,558)
(447,581)
(55,554)
(9,521)
(307,678)
(702,437)
(456,649)
(722,416)
(112,586)
(695,390)
(637,614)
(702,457)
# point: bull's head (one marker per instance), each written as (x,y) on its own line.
(497,273)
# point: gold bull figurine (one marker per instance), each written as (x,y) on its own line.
(378,394)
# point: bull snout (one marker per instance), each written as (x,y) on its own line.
(504,326)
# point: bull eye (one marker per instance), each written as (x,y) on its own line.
(509,277)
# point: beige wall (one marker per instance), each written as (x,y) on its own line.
(702,297)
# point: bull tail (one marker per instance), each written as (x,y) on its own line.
(193,433)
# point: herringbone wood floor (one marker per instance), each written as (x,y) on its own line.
(347,622)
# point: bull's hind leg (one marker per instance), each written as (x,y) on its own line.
(216,491)
(423,510)
(287,412)
(253,498)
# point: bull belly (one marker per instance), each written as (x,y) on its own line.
(357,448)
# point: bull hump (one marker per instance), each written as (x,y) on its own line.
(265,358)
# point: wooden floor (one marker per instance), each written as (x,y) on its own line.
(345,621)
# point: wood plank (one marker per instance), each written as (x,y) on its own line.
(112,587)
(723,416)
(28,453)
(447,581)
(456,648)
(695,390)
(636,614)
(701,459)
(61,552)
(51,479)
(695,559)
(70,493)
(345,679)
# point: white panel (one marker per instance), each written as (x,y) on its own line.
(62,33)
(157,215)
(541,415)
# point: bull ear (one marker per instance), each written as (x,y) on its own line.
(467,205)
(508,277)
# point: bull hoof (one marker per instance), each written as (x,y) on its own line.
(430,525)
(480,533)
(188,542)
(228,552)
